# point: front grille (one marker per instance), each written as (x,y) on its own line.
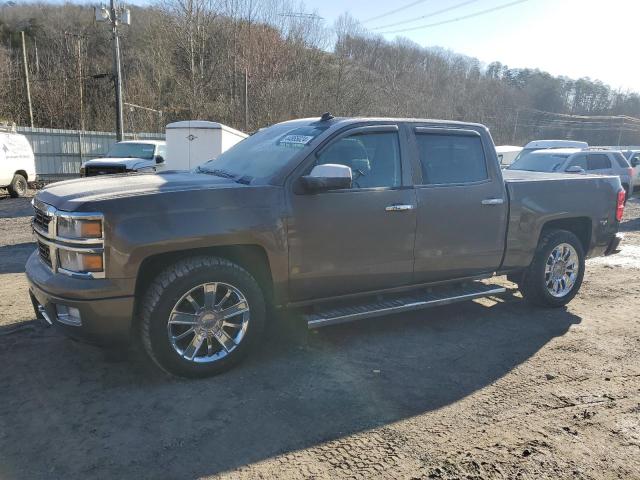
(45,253)
(91,171)
(41,219)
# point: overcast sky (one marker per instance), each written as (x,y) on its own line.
(577,38)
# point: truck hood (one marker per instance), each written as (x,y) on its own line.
(73,194)
(128,163)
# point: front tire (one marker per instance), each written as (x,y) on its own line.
(18,186)
(201,316)
(556,272)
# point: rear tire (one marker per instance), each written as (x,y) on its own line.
(18,186)
(183,287)
(538,284)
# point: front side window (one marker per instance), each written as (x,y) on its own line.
(161,151)
(374,158)
(598,161)
(451,158)
(579,160)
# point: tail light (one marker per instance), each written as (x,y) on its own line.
(620,205)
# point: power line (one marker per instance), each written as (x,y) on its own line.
(432,14)
(391,12)
(465,17)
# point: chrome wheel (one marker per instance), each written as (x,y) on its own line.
(208,322)
(561,270)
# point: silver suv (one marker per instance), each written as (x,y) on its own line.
(573,160)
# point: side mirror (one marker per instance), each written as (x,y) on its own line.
(159,159)
(635,162)
(327,177)
(575,169)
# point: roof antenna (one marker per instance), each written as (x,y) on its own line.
(326,116)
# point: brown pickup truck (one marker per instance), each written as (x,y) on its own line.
(339,218)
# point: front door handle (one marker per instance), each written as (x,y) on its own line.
(398,208)
(493,201)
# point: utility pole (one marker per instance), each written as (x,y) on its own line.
(115,16)
(515,127)
(620,132)
(246,99)
(117,71)
(26,78)
(78,38)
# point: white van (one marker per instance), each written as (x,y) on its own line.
(17,163)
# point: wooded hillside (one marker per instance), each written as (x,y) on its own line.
(188,59)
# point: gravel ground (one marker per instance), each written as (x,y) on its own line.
(490,389)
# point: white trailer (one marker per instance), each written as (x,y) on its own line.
(192,142)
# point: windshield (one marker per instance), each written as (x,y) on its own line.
(132,150)
(524,153)
(263,153)
(541,162)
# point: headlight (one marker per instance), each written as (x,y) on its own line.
(79,228)
(80,261)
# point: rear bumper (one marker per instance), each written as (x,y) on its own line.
(614,244)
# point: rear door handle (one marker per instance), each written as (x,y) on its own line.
(398,208)
(493,201)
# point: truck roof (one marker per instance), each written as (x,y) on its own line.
(555,151)
(143,140)
(352,120)
(556,144)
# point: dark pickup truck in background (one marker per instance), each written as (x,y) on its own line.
(341,218)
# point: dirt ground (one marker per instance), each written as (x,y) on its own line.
(491,389)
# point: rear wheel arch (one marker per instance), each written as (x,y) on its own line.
(23,173)
(581,227)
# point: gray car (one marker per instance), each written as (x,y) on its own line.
(633,157)
(573,160)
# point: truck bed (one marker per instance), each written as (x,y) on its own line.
(537,198)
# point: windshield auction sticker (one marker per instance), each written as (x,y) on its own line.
(299,140)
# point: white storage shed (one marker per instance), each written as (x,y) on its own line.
(192,142)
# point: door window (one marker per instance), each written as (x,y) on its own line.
(579,160)
(451,158)
(374,158)
(598,161)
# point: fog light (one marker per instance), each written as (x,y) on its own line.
(68,315)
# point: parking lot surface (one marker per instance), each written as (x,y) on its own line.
(490,389)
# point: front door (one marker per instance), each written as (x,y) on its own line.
(359,239)
(462,205)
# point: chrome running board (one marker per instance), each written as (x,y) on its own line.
(400,303)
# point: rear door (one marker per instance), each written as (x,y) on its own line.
(462,205)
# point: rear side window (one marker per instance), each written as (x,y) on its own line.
(451,158)
(598,161)
(620,160)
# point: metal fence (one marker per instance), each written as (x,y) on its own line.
(59,153)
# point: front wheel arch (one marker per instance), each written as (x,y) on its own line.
(158,304)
